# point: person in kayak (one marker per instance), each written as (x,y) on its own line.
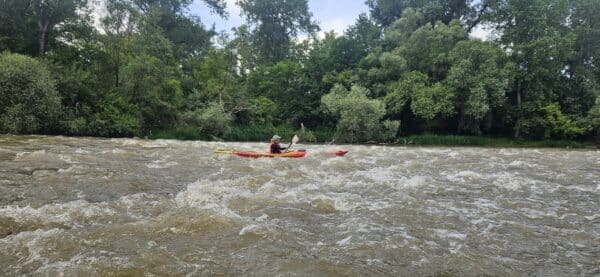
(275,147)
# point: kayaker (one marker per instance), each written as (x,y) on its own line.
(275,147)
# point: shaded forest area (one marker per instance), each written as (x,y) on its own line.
(147,67)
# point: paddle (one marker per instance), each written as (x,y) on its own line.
(224,151)
(295,140)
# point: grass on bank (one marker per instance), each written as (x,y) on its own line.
(446,140)
(264,133)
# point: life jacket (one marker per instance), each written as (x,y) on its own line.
(275,148)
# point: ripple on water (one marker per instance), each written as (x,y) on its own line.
(174,208)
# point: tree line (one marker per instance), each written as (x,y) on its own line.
(136,67)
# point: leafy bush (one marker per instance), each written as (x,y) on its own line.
(359,116)
(558,125)
(29,102)
(211,120)
(593,119)
(264,110)
(117,118)
(183,133)
(77,126)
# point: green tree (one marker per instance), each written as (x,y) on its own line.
(400,92)
(30,26)
(557,125)
(16,31)
(118,25)
(49,14)
(243,45)
(359,118)
(29,102)
(479,77)
(542,46)
(385,12)
(428,48)
(593,119)
(211,120)
(154,89)
(283,84)
(434,101)
(364,35)
(276,23)
(115,117)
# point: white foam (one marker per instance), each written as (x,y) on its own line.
(66,158)
(345,241)
(343,202)
(74,169)
(468,174)
(536,214)
(31,155)
(207,195)
(511,181)
(82,151)
(33,241)
(70,213)
(262,230)
(413,182)
(161,164)
(508,152)
(520,164)
(443,233)
(114,151)
(592,217)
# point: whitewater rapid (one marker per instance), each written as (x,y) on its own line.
(86,206)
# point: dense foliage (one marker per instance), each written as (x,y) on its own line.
(149,68)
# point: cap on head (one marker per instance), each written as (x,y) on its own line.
(276,137)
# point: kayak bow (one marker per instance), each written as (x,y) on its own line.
(336,152)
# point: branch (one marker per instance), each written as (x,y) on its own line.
(484,7)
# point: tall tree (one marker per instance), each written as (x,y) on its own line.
(179,6)
(187,33)
(16,31)
(276,23)
(119,24)
(385,12)
(479,77)
(29,26)
(365,34)
(50,13)
(541,45)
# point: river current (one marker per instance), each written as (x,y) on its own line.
(97,207)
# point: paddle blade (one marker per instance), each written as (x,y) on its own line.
(224,151)
(295,139)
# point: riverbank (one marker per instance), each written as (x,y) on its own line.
(262,133)
(437,140)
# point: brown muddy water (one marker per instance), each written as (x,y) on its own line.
(98,207)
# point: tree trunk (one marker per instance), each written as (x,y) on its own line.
(43,34)
(117,66)
(519,111)
(461,121)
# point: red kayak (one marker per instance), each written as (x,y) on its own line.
(253,154)
(337,152)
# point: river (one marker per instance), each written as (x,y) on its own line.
(97,207)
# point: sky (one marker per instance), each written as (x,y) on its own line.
(334,15)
